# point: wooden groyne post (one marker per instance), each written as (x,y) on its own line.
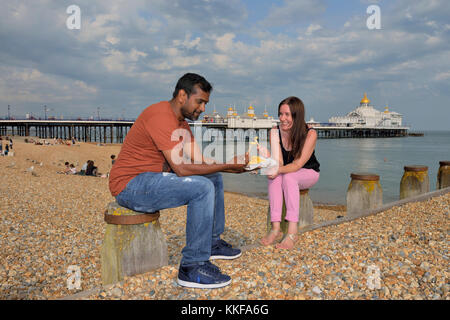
(443,176)
(364,193)
(133,244)
(415,181)
(306,213)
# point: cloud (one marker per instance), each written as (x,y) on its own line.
(294,12)
(129,54)
(442,76)
(225,42)
(24,85)
(312,28)
(201,15)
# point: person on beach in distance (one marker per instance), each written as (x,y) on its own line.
(67,169)
(84,167)
(148,176)
(73,170)
(91,170)
(292,144)
(113,160)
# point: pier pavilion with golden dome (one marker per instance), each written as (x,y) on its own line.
(249,119)
(367,116)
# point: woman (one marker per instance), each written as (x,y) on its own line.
(293,145)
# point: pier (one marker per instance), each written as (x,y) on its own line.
(323,132)
(114,131)
(106,131)
(337,132)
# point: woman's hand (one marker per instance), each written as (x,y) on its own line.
(273,173)
(263,152)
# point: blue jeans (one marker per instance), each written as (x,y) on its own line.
(203,195)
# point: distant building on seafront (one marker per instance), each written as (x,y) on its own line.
(246,120)
(367,116)
(215,117)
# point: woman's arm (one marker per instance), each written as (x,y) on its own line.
(276,153)
(307,151)
(275,146)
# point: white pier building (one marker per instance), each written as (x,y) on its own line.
(367,116)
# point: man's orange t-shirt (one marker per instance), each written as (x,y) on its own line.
(142,149)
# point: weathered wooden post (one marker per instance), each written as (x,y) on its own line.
(364,192)
(443,176)
(133,244)
(306,213)
(415,181)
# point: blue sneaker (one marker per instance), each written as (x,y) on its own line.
(203,276)
(223,250)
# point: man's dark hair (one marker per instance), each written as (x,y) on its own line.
(188,83)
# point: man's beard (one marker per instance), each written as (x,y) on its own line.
(191,116)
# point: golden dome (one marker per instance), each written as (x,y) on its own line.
(230,109)
(365,100)
(250,108)
(386,109)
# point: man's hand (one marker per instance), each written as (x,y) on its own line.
(241,161)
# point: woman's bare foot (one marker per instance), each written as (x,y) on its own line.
(271,237)
(288,242)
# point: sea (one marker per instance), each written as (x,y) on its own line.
(338,158)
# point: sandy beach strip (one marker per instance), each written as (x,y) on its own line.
(51,221)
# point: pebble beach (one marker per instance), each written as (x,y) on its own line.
(51,221)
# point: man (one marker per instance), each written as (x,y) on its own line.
(151,173)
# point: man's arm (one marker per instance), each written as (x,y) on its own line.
(189,168)
(192,151)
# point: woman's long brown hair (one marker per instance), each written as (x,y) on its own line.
(298,130)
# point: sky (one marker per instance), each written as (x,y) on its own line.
(127,55)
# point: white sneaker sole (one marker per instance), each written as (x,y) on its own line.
(201,285)
(225,257)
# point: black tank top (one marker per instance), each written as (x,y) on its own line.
(312,162)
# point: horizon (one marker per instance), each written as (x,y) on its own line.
(114,60)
